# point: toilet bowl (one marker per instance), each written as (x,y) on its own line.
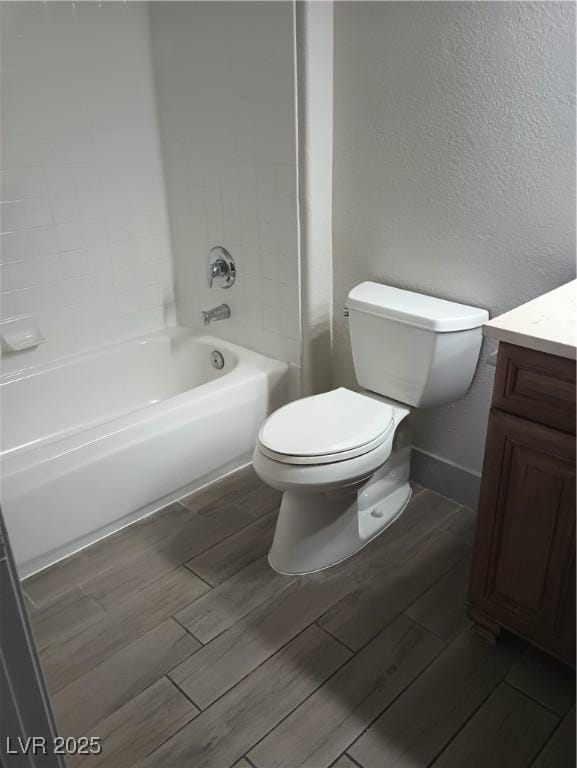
(342,463)
(342,458)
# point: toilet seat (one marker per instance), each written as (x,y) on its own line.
(327,428)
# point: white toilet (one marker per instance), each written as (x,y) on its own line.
(342,458)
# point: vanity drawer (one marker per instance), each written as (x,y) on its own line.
(537,386)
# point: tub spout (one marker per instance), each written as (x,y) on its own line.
(222,312)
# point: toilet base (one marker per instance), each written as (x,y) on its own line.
(315,531)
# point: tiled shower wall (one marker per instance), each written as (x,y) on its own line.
(84,238)
(226,97)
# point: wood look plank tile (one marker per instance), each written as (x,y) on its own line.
(223,560)
(222,734)
(106,687)
(228,490)
(323,726)
(252,500)
(228,603)
(145,722)
(365,610)
(507,732)
(275,689)
(57,581)
(442,609)
(544,679)
(420,723)
(257,582)
(132,574)
(243,490)
(251,640)
(559,751)
(122,624)
(56,622)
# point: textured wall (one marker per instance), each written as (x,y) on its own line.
(225,89)
(454,168)
(84,243)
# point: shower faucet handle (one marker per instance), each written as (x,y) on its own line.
(221,268)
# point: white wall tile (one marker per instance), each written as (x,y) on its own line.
(49,268)
(271,319)
(285,180)
(56,295)
(269,265)
(8,303)
(74,263)
(21,183)
(65,208)
(15,245)
(81,159)
(38,212)
(60,179)
(226,108)
(29,301)
(81,289)
(13,216)
(43,241)
(70,236)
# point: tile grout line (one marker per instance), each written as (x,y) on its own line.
(349,660)
(471,716)
(445,640)
(312,693)
(534,700)
(434,658)
(114,711)
(201,711)
(394,618)
(130,595)
(337,639)
(187,630)
(246,615)
(548,740)
(435,584)
(194,573)
(182,727)
(188,563)
(186,696)
(244,677)
(81,585)
(352,759)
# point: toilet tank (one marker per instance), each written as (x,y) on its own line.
(413,348)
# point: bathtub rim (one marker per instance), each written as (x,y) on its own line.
(246,362)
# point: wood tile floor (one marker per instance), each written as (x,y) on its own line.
(177,644)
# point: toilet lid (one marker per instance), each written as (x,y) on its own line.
(328,425)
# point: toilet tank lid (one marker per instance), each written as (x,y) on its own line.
(415,309)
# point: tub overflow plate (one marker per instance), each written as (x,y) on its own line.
(217,360)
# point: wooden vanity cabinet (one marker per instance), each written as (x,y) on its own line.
(523,573)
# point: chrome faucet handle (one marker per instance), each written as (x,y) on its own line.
(221,268)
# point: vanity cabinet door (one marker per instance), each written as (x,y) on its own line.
(524,562)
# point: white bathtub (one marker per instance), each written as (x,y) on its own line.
(100,440)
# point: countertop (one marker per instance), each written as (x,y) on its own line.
(547,323)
